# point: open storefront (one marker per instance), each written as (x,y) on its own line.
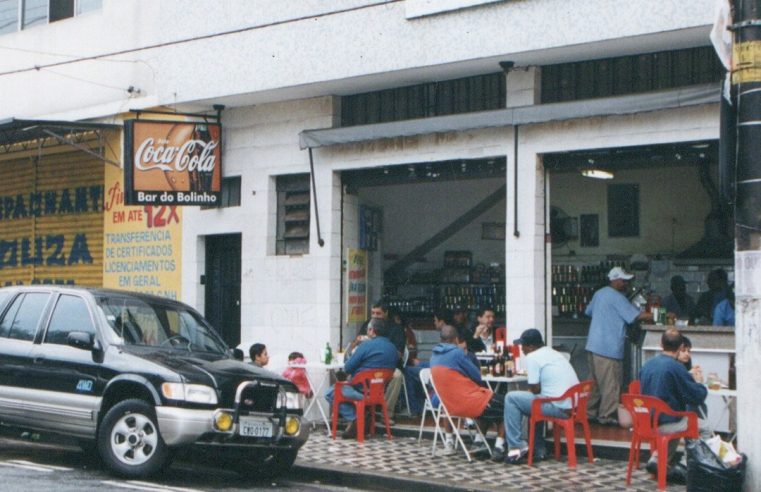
(434,237)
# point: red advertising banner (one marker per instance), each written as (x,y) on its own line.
(172,163)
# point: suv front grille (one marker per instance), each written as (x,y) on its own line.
(256,396)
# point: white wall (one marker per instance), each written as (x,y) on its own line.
(284,300)
(290,50)
(673,206)
(413,213)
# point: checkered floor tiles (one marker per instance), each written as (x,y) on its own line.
(403,458)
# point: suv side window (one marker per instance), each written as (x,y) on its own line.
(23,317)
(70,314)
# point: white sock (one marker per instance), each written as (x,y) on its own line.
(500,443)
(478,438)
(448,437)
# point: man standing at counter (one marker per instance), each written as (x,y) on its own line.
(611,311)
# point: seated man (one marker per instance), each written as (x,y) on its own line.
(377,352)
(549,375)
(458,382)
(666,378)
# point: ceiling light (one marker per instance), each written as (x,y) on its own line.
(596,173)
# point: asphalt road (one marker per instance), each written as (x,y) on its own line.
(39,465)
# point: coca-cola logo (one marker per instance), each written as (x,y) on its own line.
(193,155)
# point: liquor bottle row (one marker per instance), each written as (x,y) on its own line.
(584,274)
(574,285)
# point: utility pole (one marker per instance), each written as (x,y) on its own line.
(746,81)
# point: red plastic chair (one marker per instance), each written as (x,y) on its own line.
(579,396)
(373,383)
(645,412)
(635,388)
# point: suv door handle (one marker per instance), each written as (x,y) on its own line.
(38,359)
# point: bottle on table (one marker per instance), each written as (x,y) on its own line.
(328,353)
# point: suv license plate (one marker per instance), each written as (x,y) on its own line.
(254,427)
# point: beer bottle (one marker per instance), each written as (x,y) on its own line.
(328,354)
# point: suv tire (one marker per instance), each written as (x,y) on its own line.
(129,441)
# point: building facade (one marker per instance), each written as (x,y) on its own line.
(366,143)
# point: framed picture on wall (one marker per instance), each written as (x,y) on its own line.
(590,230)
(493,230)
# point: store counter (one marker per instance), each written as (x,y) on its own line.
(713,347)
(570,335)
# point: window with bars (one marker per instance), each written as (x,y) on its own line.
(630,74)
(230,196)
(465,95)
(293,201)
(16,15)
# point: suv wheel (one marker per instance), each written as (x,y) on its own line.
(129,441)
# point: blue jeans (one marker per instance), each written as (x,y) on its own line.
(518,405)
(345,410)
(414,390)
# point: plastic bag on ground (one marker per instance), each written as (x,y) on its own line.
(707,473)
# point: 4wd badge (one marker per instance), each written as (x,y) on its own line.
(84,386)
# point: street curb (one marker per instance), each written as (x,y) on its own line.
(349,477)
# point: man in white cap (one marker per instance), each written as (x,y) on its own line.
(611,311)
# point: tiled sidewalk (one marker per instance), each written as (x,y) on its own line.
(402,459)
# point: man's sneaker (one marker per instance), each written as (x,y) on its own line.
(652,467)
(516,456)
(449,448)
(608,421)
(351,431)
(498,454)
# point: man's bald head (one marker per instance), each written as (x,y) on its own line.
(449,334)
(671,340)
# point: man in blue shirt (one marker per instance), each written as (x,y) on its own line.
(666,378)
(611,311)
(724,312)
(377,352)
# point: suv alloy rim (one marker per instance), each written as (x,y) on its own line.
(134,439)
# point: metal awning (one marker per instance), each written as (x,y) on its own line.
(17,134)
(15,131)
(525,115)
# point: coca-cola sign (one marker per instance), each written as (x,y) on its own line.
(168,162)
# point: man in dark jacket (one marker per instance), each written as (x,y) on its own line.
(666,378)
(458,384)
(377,352)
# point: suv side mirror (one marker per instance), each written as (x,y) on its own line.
(238,354)
(81,340)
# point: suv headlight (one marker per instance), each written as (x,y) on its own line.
(290,400)
(195,393)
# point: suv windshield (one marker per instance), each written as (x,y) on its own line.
(159,325)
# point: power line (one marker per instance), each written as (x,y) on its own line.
(196,38)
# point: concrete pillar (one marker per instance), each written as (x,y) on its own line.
(523,86)
(524,255)
(748,353)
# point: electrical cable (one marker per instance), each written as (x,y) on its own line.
(106,86)
(196,38)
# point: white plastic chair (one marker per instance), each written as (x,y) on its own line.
(454,421)
(405,358)
(425,380)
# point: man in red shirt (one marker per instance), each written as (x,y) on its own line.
(459,386)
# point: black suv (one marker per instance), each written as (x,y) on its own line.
(137,377)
